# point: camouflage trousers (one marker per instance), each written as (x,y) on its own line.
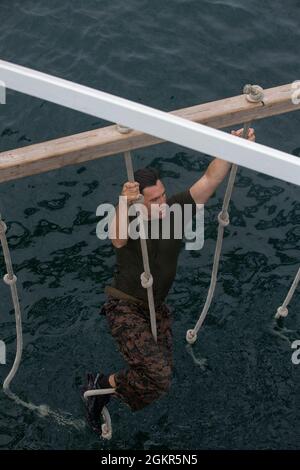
(150,364)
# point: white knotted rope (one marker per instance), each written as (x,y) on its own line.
(254,93)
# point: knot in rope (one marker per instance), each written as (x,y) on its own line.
(254,93)
(282,312)
(191,336)
(10,280)
(223,218)
(146,280)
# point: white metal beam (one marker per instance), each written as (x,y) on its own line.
(151,121)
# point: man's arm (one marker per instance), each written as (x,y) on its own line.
(114,231)
(118,230)
(216,171)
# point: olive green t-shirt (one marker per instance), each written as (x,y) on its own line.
(163,255)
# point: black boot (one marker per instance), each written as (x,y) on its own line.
(94,404)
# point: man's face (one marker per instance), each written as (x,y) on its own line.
(154,197)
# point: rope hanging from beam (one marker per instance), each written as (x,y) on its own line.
(254,93)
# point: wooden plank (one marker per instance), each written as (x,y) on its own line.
(107,141)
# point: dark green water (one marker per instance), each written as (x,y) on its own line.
(169,55)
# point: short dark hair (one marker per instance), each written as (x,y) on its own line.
(146,177)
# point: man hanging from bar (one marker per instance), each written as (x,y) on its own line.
(150,363)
